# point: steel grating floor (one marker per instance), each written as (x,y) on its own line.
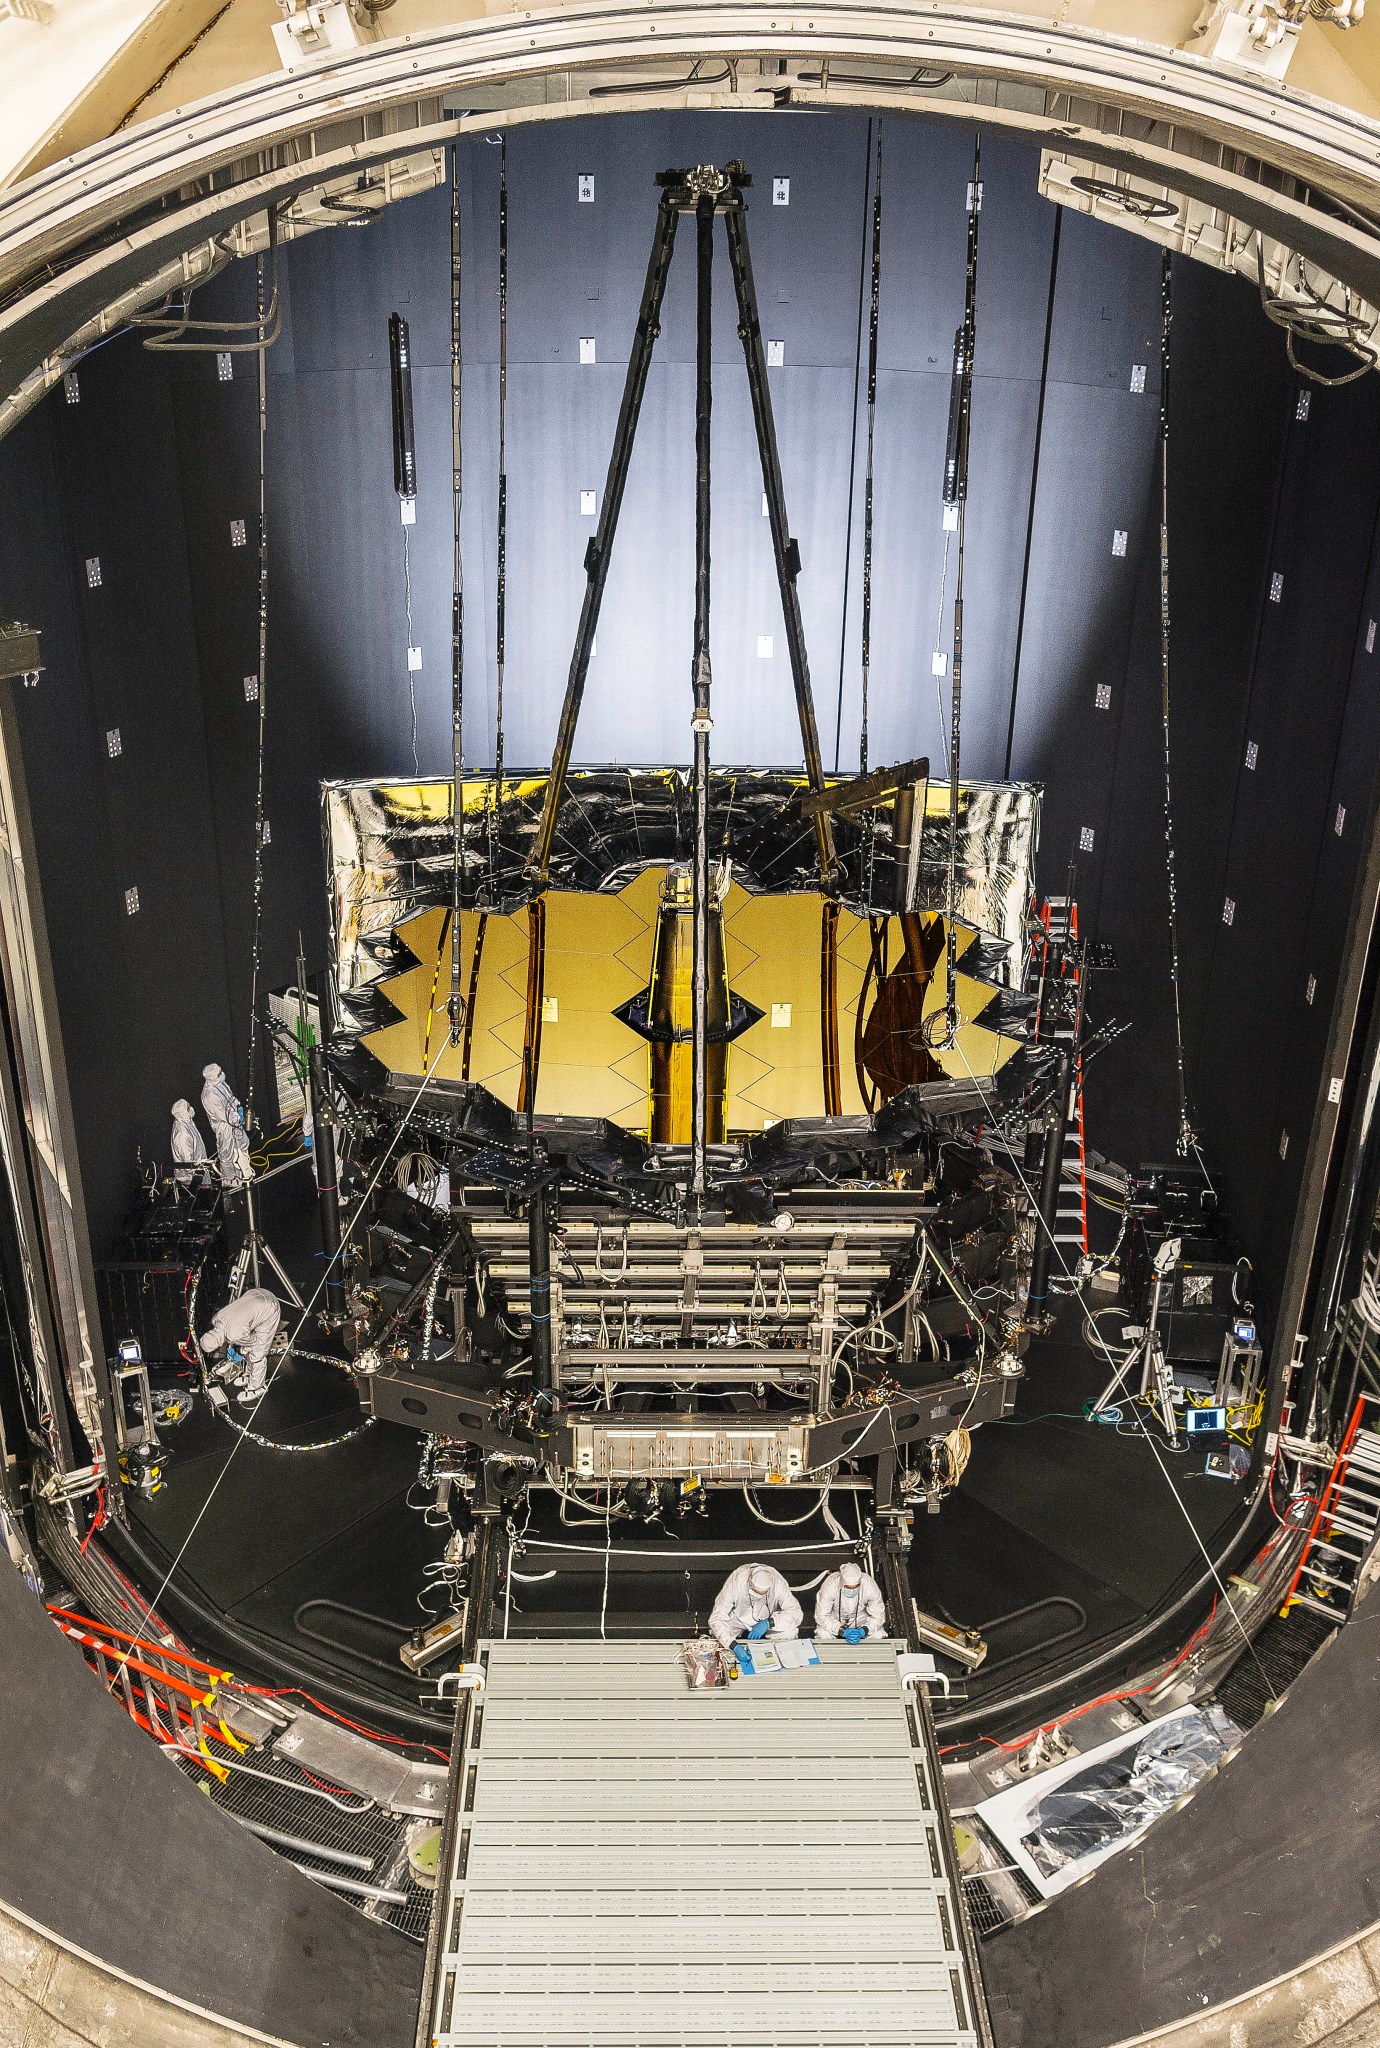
(635,1863)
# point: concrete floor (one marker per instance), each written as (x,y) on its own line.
(1334,2002)
(55,1997)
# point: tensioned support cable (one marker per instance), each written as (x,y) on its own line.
(456,1003)
(1187,1137)
(256,944)
(871,435)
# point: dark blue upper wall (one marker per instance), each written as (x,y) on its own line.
(163,455)
(142,996)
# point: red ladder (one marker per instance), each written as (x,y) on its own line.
(1059,957)
(1349,1509)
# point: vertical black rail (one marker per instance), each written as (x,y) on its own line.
(873,312)
(853,453)
(256,942)
(1187,1138)
(784,548)
(456,1003)
(501,538)
(598,551)
(1034,489)
(704,334)
(959,426)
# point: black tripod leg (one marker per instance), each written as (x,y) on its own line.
(598,552)
(785,550)
(700,679)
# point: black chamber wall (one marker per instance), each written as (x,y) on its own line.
(157,460)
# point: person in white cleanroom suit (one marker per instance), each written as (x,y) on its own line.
(850,1604)
(226,1118)
(191,1167)
(752,1602)
(244,1329)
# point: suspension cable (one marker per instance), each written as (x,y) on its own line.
(259,825)
(957,494)
(456,1004)
(871,427)
(1187,1137)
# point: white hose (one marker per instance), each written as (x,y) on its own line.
(821,1506)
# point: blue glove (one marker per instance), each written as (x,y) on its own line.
(759,1629)
(854,1635)
(234,1354)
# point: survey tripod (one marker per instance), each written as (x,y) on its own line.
(707,193)
(1155,1375)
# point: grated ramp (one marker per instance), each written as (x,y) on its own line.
(634,1863)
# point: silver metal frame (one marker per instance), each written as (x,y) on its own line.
(1211,132)
(38,1142)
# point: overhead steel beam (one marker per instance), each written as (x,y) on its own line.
(1217,138)
(974,58)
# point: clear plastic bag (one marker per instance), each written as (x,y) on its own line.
(704,1663)
(1111,1801)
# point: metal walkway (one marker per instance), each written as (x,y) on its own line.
(633,1863)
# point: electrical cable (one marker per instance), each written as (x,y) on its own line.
(794,1521)
(597,1549)
(1106,1698)
(166,330)
(306,1313)
(1057,1252)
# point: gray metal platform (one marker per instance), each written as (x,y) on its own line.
(635,1863)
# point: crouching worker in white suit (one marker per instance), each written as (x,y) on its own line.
(244,1329)
(754,1601)
(850,1604)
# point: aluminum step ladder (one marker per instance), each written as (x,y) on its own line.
(1059,961)
(1345,1527)
(626,1861)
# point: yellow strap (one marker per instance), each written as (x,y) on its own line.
(219,1769)
(228,1736)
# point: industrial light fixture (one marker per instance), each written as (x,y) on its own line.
(314,28)
(1261,35)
